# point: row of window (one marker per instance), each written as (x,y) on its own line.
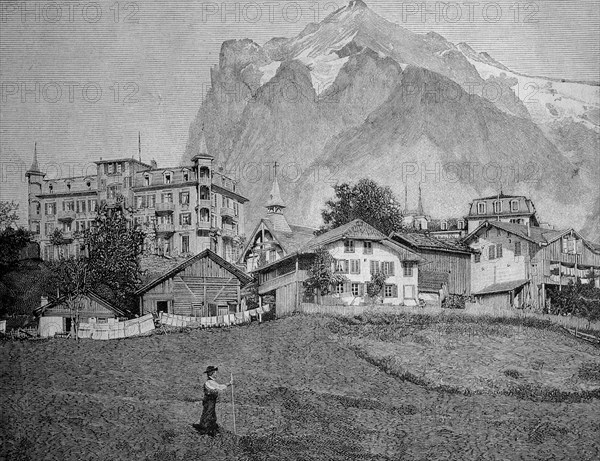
(497,206)
(352,266)
(360,289)
(444,225)
(149,200)
(88,183)
(168,176)
(77,226)
(349,247)
(79,206)
(185,219)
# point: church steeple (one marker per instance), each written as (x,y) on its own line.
(275,203)
(275,206)
(420,210)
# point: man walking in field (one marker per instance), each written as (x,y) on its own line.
(208,420)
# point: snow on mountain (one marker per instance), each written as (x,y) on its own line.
(549,100)
(370,99)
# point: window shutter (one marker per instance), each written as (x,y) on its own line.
(394,290)
(347,287)
(392,272)
(499,250)
(491,252)
(361,289)
(371,266)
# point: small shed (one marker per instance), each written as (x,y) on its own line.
(204,285)
(55,316)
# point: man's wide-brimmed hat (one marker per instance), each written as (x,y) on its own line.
(210,369)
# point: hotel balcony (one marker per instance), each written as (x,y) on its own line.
(66,216)
(164,208)
(204,180)
(204,203)
(203,225)
(229,233)
(228,213)
(165,230)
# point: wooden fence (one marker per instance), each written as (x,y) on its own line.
(568,322)
(313,308)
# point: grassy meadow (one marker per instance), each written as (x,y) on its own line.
(310,387)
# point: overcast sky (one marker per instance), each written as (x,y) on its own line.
(82,78)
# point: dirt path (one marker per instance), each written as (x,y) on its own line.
(300,395)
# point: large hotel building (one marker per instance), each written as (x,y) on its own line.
(183,209)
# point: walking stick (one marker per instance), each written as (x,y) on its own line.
(233,405)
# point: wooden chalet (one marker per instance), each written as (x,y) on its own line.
(358,251)
(522,265)
(204,285)
(55,316)
(446,262)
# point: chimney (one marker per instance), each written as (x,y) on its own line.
(153,164)
(43,301)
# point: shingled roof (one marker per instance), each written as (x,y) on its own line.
(241,275)
(357,229)
(421,241)
(539,235)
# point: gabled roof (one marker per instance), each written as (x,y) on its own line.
(241,275)
(94,296)
(539,235)
(289,241)
(357,229)
(422,241)
(502,287)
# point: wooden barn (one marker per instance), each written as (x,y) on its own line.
(55,316)
(446,262)
(203,286)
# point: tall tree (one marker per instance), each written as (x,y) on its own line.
(12,240)
(366,200)
(113,247)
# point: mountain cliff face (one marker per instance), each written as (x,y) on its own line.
(356,96)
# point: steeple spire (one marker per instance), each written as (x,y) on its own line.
(35,167)
(420,210)
(34,164)
(275,203)
(275,207)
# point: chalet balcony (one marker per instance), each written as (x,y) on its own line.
(66,216)
(164,208)
(204,180)
(204,203)
(165,230)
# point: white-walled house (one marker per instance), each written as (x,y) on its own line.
(358,250)
(518,265)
